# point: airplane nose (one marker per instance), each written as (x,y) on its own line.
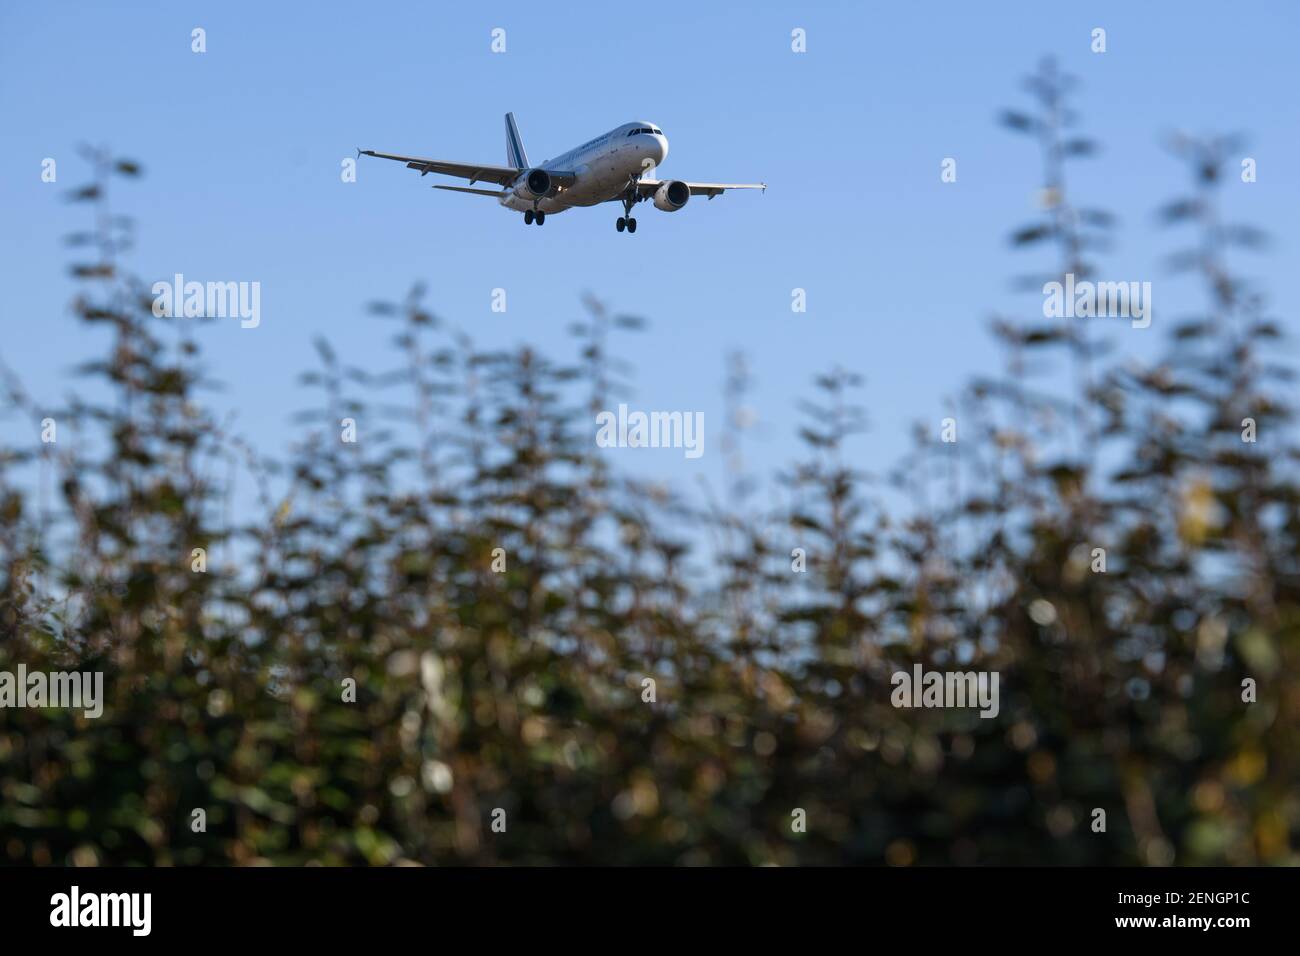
(662,150)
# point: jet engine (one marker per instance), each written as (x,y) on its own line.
(672,195)
(534,184)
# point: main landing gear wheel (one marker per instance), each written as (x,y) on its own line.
(541,218)
(631,225)
(528,217)
(620,224)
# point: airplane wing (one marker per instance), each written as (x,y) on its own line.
(474,172)
(648,186)
(467,189)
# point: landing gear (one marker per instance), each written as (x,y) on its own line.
(625,221)
(541,217)
(528,217)
(531,217)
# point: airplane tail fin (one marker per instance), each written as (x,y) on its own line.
(515,154)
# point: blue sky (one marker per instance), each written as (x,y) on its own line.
(242,146)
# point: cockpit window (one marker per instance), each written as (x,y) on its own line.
(657,132)
(644,129)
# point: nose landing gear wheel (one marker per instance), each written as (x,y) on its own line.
(528,217)
(541,218)
(629,199)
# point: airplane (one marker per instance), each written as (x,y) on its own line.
(611,167)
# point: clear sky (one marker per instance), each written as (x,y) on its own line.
(242,147)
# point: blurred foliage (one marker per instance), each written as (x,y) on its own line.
(522,690)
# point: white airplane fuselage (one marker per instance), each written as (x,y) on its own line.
(604,168)
(618,166)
